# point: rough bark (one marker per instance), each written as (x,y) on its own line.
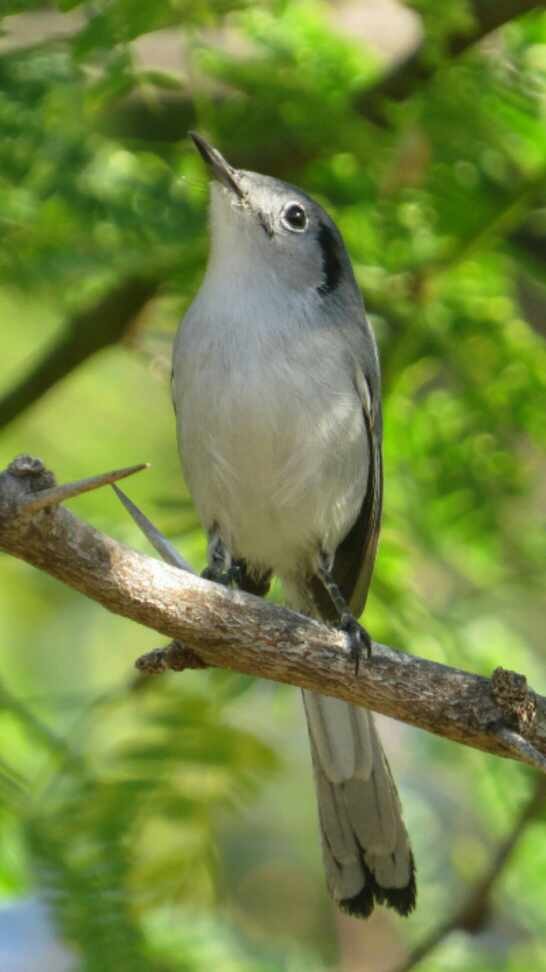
(407,76)
(229,629)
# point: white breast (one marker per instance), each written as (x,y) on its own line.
(271,434)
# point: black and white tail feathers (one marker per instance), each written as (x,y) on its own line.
(365,845)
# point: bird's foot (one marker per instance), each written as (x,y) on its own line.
(359,639)
(228,578)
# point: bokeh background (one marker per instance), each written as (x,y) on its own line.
(169,825)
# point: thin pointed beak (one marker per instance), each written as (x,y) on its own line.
(221,170)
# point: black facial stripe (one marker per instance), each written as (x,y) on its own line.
(331,264)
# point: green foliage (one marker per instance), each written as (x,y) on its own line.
(458,19)
(144,813)
(118,829)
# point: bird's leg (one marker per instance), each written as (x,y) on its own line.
(224,569)
(359,638)
(221,568)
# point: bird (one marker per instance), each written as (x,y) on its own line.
(277,393)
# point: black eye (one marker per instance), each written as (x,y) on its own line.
(294,217)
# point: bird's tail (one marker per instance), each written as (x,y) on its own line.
(366,849)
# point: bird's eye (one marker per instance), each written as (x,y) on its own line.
(294,217)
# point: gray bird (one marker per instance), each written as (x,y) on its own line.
(276,387)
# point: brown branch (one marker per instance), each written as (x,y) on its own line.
(90,331)
(233,630)
(471,914)
(402,81)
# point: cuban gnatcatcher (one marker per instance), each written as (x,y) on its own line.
(276,387)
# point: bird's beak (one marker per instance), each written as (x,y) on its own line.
(221,170)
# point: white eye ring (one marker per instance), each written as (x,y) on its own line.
(294,217)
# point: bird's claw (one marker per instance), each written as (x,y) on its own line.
(228,578)
(359,638)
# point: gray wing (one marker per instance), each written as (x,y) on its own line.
(366,850)
(355,555)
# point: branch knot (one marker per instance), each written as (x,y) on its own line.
(24,477)
(511,694)
(174,656)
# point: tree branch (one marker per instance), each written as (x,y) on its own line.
(90,331)
(406,76)
(233,630)
(471,914)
